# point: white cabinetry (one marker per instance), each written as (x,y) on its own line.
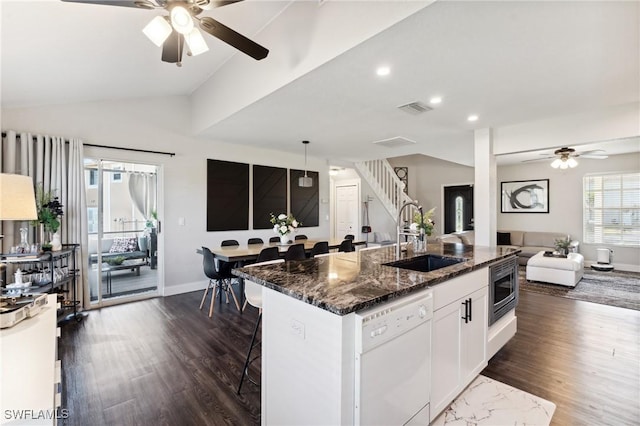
(459,336)
(30,374)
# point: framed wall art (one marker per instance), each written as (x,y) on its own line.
(525,196)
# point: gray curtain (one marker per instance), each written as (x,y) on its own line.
(142,190)
(59,166)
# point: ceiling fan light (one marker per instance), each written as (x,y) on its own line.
(158,30)
(571,162)
(181,20)
(196,42)
(556,163)
(564,165)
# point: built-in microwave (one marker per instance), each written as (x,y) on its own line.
(503,288)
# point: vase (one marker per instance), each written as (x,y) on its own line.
(56,243)
(284,239)
(24,246)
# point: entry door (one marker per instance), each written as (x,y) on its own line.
(122,214)
(346,210)
(458,208)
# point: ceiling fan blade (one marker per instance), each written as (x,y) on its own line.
(233,38)
(596,154)
(173,47)
(212,4)
(139,4)
(593,156)
(537,159)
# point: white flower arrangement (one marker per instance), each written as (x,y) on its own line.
(427,222)
(284,224)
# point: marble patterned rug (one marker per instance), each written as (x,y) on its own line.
(492,403)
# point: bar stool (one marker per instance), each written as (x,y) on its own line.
(255,241)
(274,239)
(253,294)
(301,237)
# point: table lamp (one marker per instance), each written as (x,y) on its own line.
(17,199)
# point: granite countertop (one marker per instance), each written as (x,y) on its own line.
(342,283)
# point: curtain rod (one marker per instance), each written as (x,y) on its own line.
(171,154)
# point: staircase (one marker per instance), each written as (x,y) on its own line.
(388,187)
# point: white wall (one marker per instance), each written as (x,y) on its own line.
(427,177)
(160,124)
(565,202)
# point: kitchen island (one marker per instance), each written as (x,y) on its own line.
(310,310)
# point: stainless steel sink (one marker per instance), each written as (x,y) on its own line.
(426,263)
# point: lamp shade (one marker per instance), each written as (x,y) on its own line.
(17,199)
(305,181)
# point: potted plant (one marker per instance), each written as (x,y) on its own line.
(49,211)
(562,245)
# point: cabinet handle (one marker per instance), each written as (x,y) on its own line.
(470,309)
(466,311)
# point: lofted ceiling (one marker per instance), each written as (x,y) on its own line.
(507,62)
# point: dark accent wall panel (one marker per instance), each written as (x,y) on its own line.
(227,196)
(305,202)
(269,194)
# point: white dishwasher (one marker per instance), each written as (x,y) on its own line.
(393,362)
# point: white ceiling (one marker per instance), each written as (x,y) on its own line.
(508,62)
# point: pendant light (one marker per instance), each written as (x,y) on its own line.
(305,181)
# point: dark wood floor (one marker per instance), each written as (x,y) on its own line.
(582,356)
(164,362)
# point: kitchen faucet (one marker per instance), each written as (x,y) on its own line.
(404,206)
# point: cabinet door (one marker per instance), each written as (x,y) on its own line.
(474,337)
(446,353)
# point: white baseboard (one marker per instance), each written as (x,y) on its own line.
(616,266)
(184,288)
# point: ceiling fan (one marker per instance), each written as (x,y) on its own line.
(173,31)
(565,157)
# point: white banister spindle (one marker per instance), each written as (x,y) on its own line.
(387,186)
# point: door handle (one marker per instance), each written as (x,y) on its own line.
(470,309)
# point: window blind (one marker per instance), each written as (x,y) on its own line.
(612,209)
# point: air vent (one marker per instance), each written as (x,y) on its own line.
(394,142)
(415,108)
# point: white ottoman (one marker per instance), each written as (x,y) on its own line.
(556,270)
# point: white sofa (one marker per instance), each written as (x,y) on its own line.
(529,242)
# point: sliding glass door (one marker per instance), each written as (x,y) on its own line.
(123,230)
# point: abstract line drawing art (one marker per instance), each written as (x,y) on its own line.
(525,196)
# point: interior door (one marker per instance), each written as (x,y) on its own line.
(346,210)
(458,208)
(123,230)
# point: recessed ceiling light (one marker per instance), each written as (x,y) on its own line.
(383,70)
(435,100)
(472,118)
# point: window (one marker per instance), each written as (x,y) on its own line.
(93,178)
(116,176)
(92,220)
(612,209)
(459,213)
